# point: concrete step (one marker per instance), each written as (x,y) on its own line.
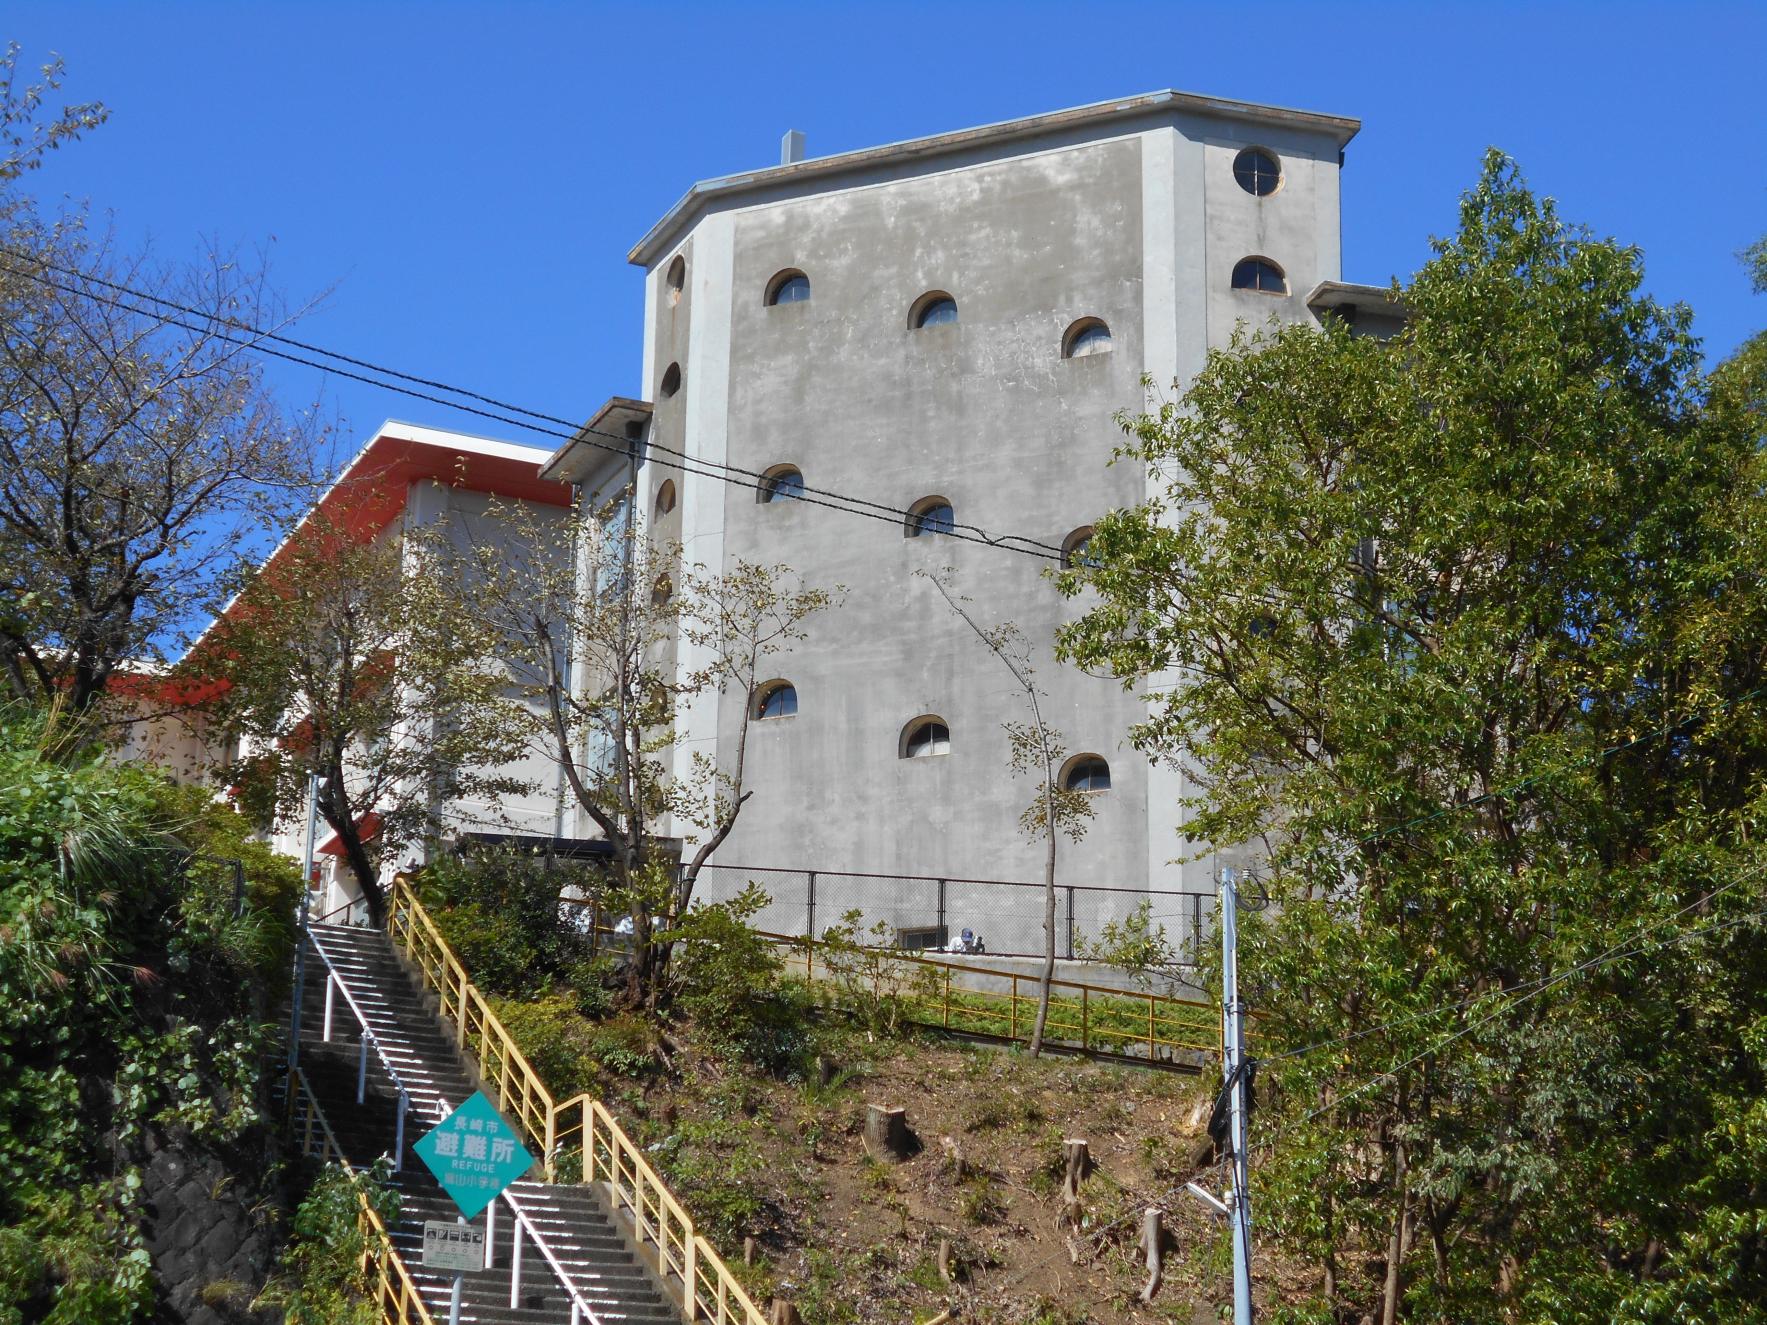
(588,1243)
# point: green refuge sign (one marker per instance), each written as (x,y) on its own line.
(474,1154)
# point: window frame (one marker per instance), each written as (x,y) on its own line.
(766,693)
(1258,261)
(1268,155)
(1081,763)
(922,307)
(1076,540)
(914,727)
(915,525)
(1071,338)
(780,281)
(767,491)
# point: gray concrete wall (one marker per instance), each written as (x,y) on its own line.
(1140,226)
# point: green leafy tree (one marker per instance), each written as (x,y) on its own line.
(1464,631)
(350,659)
(129,1000)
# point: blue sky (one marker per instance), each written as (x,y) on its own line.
(465,180)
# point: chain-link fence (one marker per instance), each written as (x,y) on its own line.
(921,912)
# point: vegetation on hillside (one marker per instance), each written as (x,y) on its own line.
(748,1091)
(133,996)
(1466,631)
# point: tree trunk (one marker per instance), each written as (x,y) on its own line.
(336,812)
(1048,975)
(366,876)
(1389,1307)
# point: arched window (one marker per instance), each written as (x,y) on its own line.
(671,382)
(930,515)
(665,497)
(1259,274)
(1074,548)
(1086,337)
(789,287)
(933,309)
(782,483)
(661,591)
(925,737)
(1086,773)
(1257,172)
(675,278)
(776,699)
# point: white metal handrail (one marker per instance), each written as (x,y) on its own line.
(580,1309)
(335,982)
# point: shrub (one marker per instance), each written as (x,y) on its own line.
(556,1039)
(126,1000)
(499,908)
(727,982)
(872,981)
(320,1281)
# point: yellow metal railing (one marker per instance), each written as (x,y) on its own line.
(390,1284)
(1096,1018)
(710,1291)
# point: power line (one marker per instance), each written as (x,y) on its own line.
(682,461)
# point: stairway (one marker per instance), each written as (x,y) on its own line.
(574,1222)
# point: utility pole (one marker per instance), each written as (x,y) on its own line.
(1233,1077)
(300,961)
(312,831)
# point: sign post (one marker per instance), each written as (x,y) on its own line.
(474,1155)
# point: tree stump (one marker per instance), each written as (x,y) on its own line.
(748,1251)
(888,1135)
(1076,1164)
(1153,1241)
(946,1272)
(954,1157)
(783,1313)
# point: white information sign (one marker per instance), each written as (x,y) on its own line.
(452,1247)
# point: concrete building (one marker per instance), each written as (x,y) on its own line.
(949,326)
(404,476)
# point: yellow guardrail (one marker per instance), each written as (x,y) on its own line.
(1096,1018)
(389,1281)
(710,1291)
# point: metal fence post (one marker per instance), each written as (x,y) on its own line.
(944,934)
(1070,922)
(810,907)
(300,982)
